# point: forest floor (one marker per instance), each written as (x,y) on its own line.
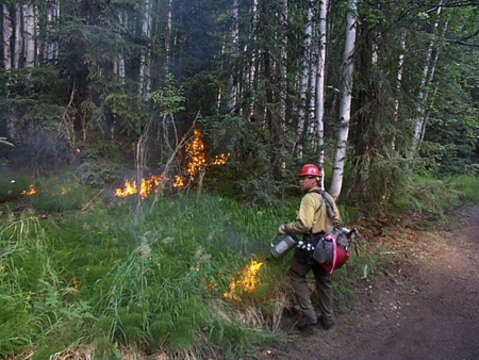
(422,305)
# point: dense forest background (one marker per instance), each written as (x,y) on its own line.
(371,91)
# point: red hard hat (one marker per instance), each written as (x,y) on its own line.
(309,170)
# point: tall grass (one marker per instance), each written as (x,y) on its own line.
(108,278)
(156,281)
(467,187)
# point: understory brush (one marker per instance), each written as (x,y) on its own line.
(187,277)
(429,195)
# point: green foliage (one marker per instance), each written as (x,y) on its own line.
(170,98)
(97,172)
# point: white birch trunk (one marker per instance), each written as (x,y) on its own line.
(51,48)
(28,33)
(345,104)
(145,58)
(234,55)
(430,80)
(167,37)
(398,83)
(219,97)
(422,93)
(283,66)
(303,86)
(17,48)
(312,88)
(119,63)
(320,81)
(252,67)
(7,34)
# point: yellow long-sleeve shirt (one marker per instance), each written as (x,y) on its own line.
(313,215)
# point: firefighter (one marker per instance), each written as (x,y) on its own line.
(312,218)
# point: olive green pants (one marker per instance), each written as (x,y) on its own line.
(300,266)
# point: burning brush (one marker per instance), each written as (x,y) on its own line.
(194,153)
(245,282)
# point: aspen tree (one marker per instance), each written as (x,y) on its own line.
(428,67)
(303,86)
(320,81)
(345,103)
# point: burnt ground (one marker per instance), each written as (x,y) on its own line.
(422,305)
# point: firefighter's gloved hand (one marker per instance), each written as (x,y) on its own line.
(282,230)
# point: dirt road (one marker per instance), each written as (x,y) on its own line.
(424,306)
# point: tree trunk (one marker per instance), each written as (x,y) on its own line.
(167,36)
(345,104)
(430,80)
(119,63)
(303,86)
(7,34)
(398,83)
(145,58)
(17,48)
(28,33)
(283,83)
(233,79)
(320,81)
(253,66)
(422,94)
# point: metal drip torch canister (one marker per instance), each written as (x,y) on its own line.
(279,249)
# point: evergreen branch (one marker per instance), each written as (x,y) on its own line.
(461,42)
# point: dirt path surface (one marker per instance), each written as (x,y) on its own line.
(424,306)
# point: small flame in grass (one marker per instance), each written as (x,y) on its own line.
(246,283)
(75,285)
(64,191)
(78,150)
(147,186)
(31,190)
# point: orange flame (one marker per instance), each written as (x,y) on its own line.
(31,190)
(178,182)
(245,283)
(147,186)
(220,159)
(196,153)
(64,191)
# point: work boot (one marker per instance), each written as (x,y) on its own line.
(305,321)
(326,324)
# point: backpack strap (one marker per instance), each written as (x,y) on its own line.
(329,207)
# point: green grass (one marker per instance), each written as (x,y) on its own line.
(107,277)
(467,187)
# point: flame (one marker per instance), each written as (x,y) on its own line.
(195,150)
(220,159)
(78,150)
(194,153)
(75,285)
(245,283)
(31,190)
(129,189)
(179,182)
(150,185)
(64,191)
